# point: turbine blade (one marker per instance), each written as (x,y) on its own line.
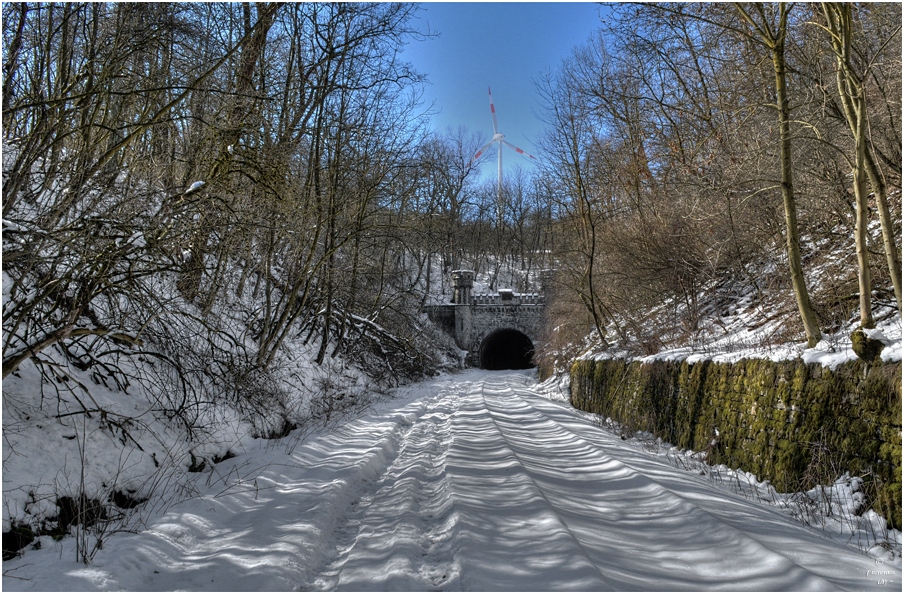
(480,152)
(493,112)
(516,149)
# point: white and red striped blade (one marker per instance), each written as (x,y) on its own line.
(493,112)
(516,149)
(481,151)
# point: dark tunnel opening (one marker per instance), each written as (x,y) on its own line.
(506,349)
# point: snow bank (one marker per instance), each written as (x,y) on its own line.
(832,350)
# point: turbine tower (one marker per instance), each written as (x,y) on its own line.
(500,138)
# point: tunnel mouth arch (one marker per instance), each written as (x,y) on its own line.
(506,348)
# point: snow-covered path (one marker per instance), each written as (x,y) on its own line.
(471,482)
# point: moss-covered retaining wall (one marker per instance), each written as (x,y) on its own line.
(793,423)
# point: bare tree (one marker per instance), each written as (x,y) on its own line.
(570,160)
(770,28)
(851,83)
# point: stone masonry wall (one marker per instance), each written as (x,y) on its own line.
(792,423)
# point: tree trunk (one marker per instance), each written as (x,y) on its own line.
(851,91)
(892,256)
(808,316)
(862,198)
(853,101)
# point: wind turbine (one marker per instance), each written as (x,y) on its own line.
(500,138)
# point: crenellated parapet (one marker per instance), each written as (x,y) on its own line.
(507,297)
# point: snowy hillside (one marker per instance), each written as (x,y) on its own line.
(128,429)
(755,317)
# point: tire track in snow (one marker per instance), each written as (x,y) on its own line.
(744,555)
(556,517)
(491,487)
(344,487)
(403,529)
(511,537)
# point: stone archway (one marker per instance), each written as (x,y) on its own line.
(506,348)
(496,330)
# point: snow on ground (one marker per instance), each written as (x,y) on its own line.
(474,481)
(51,448)
(740,337)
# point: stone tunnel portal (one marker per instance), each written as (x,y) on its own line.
(506,349)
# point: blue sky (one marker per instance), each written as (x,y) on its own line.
(502,45)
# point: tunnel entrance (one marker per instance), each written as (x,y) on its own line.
(506,349)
